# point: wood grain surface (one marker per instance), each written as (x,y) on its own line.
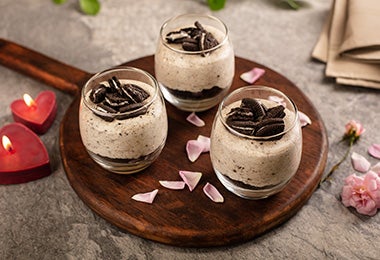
(179,218)
(185,218)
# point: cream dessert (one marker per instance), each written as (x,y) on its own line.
(194,63)
(261,153)
(123,123)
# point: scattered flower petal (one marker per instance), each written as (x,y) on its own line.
(194,149)
(190,178)
(360,163)
(376,168)
(252,75)
(195,120)
(277,99)
(374,150)
(205,141)
(304,119)
(173,185)
(362,193)
(147,197)
(213,193)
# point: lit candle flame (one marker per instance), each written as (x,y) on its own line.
(7,143)
(29,101)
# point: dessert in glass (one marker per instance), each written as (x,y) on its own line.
(122,119)
(194,61)
(256,141)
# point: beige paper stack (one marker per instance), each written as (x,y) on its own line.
(350,43)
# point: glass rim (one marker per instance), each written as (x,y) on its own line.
(257,87)
(146,103)
(166,44)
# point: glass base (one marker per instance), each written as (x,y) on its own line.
(249,192)
(126,166)
(195,102)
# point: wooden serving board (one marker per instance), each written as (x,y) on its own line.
(180,218)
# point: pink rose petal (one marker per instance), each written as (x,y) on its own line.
(376,168)
(194,149)
(190,178)
(205,141)
(304,119)
(374,150)
(277,99)
(195,120)
(213,193)
(147,197)
(173,185)
(252,75)
(360,163)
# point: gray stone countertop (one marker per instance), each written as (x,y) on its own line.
(45,219)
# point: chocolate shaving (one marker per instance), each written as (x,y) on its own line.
(254,119)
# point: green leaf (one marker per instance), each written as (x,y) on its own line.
(293,4)
(58,2)
(90,7)
(216,4)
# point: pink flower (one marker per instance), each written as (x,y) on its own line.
(362,193)
(353,131)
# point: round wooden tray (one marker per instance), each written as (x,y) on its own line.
(184,218)
(180,218)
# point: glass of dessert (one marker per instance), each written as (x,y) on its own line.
(256,141)
(122,119)
(194,61)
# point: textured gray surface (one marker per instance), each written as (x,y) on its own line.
(46,220)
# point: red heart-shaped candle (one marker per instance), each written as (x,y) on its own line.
(38,116)
(25,158)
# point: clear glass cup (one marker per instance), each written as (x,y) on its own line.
(130,137)
(255,167)
(194,79)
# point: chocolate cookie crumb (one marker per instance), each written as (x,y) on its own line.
(254,119)
(193,38)
(116,98)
